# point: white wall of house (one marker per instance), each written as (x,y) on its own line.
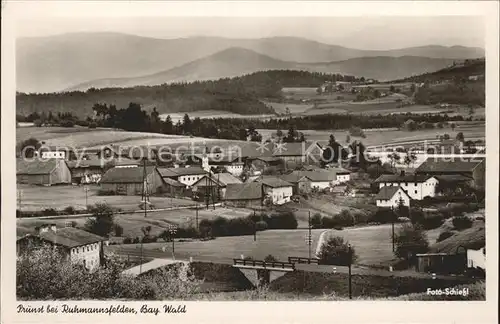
(342,178)
(394,201)
(54,155)
(90,254)
(476,259)
(320,184)
(189,180)
(416,190)
(279,195)
(235,169)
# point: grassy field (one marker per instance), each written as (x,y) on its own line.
(210,114)
(34,198)
(295,109)
(471,130)
(280,243)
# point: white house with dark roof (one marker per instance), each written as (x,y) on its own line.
(218,181)
(77,245)
(416,186)
(187,176)
(390,197)
(278,190)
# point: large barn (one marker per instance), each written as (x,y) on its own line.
(42,172)
(130,180)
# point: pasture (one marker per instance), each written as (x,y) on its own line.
(279,243)
(34,198)
(133,222)
(471,130)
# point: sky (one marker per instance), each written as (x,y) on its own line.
(354,32)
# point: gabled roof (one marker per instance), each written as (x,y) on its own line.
(244,191)
(319,176)
(36,166)
(432,165)
(402,178)
(222,179)
(294,177)
(452,178)
(69,237)
(173,183)
(339,170)
(273,182)
(388,192)
(176,172)
(126,175)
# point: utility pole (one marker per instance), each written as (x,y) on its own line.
(350,275)
(173,230)
(86,189)
(197,226)
(254,227)
(310,237)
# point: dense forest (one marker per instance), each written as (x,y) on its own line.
(238,95)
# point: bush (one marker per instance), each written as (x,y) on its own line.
(403,220)
(261,226)
(127,240)
(335,251)
(384,215)
(410,240)
(118,230)
(416,215)
(67,123)
(462,222)
(240,226)
(431,221)
(149,239)
(70,210)
(327,222)
(136,240)
(49,212)
(361,218)
(444,235)
(316,221)
(344,219)
(283,220)
(92,125)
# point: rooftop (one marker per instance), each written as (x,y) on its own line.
(126,175)
(223,179)
(36,166)
(437,165)
(274,182)
(69,237)
(244,191)
(402,178)
(176,172)
(388,192)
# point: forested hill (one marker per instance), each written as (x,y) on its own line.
(238,95)
(461,70)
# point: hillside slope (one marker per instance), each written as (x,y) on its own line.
(54,63)
(238,61)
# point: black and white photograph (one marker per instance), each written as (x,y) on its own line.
(256,158)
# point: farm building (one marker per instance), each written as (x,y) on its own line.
(278,191)
(475,170)
(231,163)
(187,176)
(320,179)
(262,163)
(416,186)
(130,180)
(217,183)
(441,263)
(300,182)
(341,175)
(42,172)
(244,195)
(173,188)
(391,197)
(77,245)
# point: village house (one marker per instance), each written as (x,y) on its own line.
(291,152)
(187,176)
(320,179)
(391,197)
(473,169)
(77,245)
(216,184)
(244,195)
(230,163)
(300,182)
(42,172)
(262,163)
(416,186)
(130,180)
(278,191)
(173,188)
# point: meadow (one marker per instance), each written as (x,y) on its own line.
(33,198)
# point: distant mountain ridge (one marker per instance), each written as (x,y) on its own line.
(55,63)
(239,61)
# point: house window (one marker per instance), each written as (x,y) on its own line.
(406,184)
(415,191)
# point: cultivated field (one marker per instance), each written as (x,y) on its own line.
(33,198)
